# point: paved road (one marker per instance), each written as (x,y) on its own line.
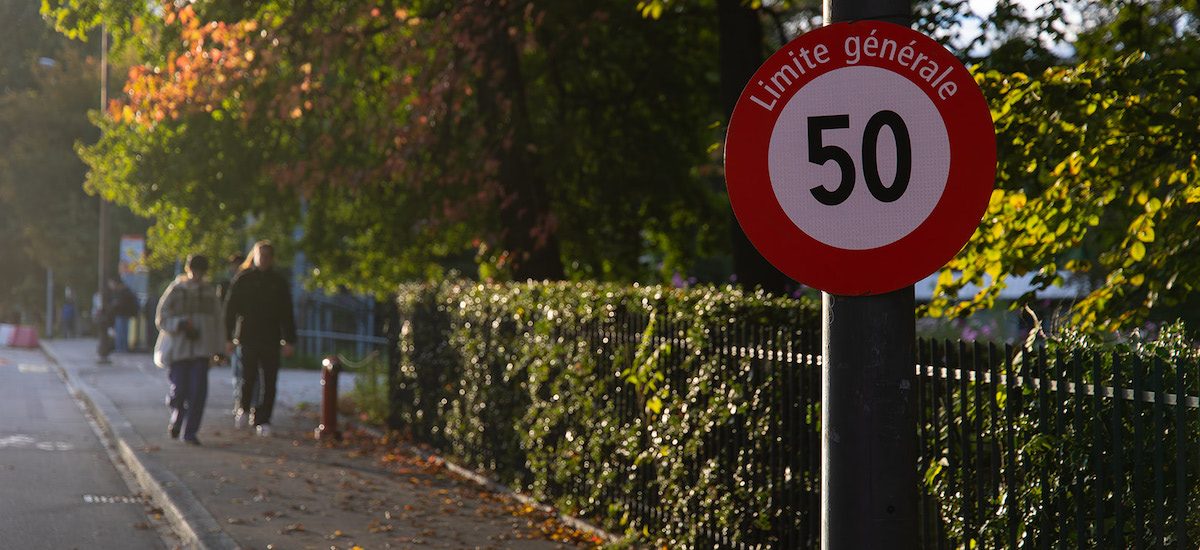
(58,487)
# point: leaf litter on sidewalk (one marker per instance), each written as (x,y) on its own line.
(533,522)
(292,491)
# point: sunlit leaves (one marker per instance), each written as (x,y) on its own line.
(214,59)
(1094,172)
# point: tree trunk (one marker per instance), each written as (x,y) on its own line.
(528,230)
(741,45)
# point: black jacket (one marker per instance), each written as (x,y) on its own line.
(258,309)
(124,302)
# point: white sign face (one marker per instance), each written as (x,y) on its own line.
(904,158)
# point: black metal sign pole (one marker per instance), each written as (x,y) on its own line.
(869,482)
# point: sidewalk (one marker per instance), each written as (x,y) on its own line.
(287,491)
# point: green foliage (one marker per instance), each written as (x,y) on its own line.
(1167,31)
(43,210)
(1098,170)
(428,142)
(195,180)
(369,394)
(424,142)
(26,39)
(1098,176)
(47,86)
(1059,451)
(581,393)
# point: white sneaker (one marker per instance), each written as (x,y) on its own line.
(264,430)
(239,421)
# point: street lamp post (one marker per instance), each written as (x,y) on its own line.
(102,263)
(102,249)
(49,63)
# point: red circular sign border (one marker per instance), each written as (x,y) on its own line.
(898,264)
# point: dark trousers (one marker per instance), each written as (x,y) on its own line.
(260,373)
(189,391)
(104,342)
(121,330)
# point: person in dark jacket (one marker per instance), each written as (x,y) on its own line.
(259,321)
(123,304)
(234,266)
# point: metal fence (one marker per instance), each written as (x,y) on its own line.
(1063,449)
(769,448)
(748,479)
(1018,447)
(343,324)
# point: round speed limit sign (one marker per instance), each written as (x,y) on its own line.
(860,158)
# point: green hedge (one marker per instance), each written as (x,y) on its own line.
(1021,464)
(690,418)
(652,410)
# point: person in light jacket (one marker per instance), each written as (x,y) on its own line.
(191,332)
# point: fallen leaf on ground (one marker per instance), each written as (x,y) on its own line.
(378,527)
(293,528)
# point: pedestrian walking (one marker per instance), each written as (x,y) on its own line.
(123,304)
(149,311)
(191,329)
(102,322)
(233,267)
(68,315)
(259,321)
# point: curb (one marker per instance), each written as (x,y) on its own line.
(492,485)
(190,520)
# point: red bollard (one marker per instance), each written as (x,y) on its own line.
(331,366)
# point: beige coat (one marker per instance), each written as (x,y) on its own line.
(187,300)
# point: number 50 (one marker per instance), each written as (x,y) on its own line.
(821,154)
